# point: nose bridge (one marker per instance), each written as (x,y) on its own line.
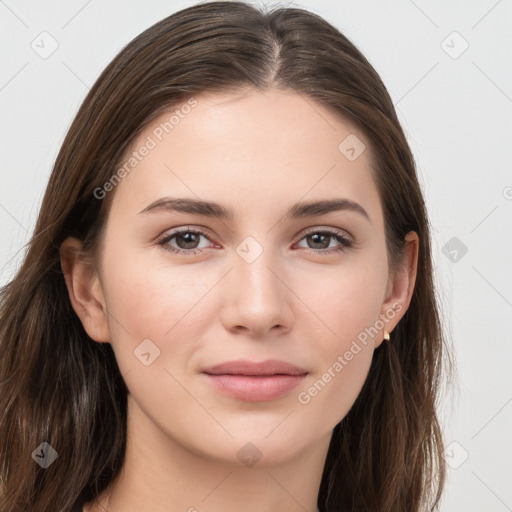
(255,297)
(253,274)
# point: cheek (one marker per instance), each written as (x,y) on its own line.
(148,301)
(331,392)
(151,295)
(344,360)
(345,301)
(348,302)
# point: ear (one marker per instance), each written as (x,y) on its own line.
(400,285)
(84,290)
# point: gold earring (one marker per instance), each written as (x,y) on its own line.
(386,335)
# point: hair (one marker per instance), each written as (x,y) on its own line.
(59,386)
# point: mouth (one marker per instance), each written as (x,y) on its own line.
(255,381)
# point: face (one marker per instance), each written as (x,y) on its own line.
(186,288)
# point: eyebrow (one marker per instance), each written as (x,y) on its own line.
(211,209)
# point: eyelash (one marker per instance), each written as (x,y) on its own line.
(346,243)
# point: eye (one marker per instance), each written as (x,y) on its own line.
(321,239)
(187,240)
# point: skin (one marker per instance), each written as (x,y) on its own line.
(257,154)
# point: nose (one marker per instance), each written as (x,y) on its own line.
(257,298)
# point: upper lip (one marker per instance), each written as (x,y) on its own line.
(245,367)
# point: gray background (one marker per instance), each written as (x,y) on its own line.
(454,103)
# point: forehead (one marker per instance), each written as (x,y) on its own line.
(252,147)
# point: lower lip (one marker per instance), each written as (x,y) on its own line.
(254,388)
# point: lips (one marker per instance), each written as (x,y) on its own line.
(254,381)
(250,368)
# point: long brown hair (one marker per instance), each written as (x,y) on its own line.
(60,387)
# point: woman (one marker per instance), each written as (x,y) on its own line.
(228,299)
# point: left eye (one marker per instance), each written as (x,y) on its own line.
(323,238)
(188,241)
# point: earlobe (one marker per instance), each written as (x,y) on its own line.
(85,291)
(401,285)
